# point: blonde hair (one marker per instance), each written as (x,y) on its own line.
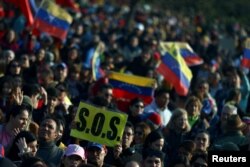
(193,99)
(177,113)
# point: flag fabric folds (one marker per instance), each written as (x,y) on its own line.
(174,68)
(97,72)
(245,62)
(27,8)
(52,19)
(127,87)
(190,57)
(93,61)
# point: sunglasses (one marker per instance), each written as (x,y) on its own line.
(138,106)
(127,133)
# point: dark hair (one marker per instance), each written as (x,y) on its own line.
(150,153)
(13,153)
(201,155)
(52,92)
(105,86)
(130,125)
(31,89)
(16,110)
(135,101)
(153,136)
(30,162)
(54,118)
(180,159)
(160,91)
(232,94)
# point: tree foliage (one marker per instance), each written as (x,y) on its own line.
(229,11)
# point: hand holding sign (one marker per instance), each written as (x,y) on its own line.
(99,125)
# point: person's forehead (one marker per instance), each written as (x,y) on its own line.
(49,121)
(153,158)
(128,129)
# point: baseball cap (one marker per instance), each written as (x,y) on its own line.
(62,65)
(97,145)
(74,149)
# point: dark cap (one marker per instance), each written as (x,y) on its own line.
(61,65)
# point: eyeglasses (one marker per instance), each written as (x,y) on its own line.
(139,106)
(128,133)
(196,164)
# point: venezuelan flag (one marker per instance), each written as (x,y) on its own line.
(97,72)
(52,19)
(190,57)
(174,68)
(245,62)
(127,87)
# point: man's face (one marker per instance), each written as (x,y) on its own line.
(96,155)
(21,120)
(48,131)
(107,94)
(152,162)
(128,137)
(72,161)
(163,100)
(52,102)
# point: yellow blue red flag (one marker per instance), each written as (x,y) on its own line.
(52,19)
(127,87)
(174,68)
(190,57)
(245,62)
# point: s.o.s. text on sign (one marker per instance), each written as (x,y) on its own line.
(99,125)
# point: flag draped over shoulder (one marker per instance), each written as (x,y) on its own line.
(127,87)
(174,68)
(52,19)
(245,62)
(190,57)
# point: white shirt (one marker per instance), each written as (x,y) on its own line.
(164,113)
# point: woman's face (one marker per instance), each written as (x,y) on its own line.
(193,109)
(33,147)
(181,122)
(139,136)
(137,109)
(202,141)
(158,144)
(21,120)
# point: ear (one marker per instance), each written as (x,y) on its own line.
(56,135)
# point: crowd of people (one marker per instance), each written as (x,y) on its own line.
(43,80)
